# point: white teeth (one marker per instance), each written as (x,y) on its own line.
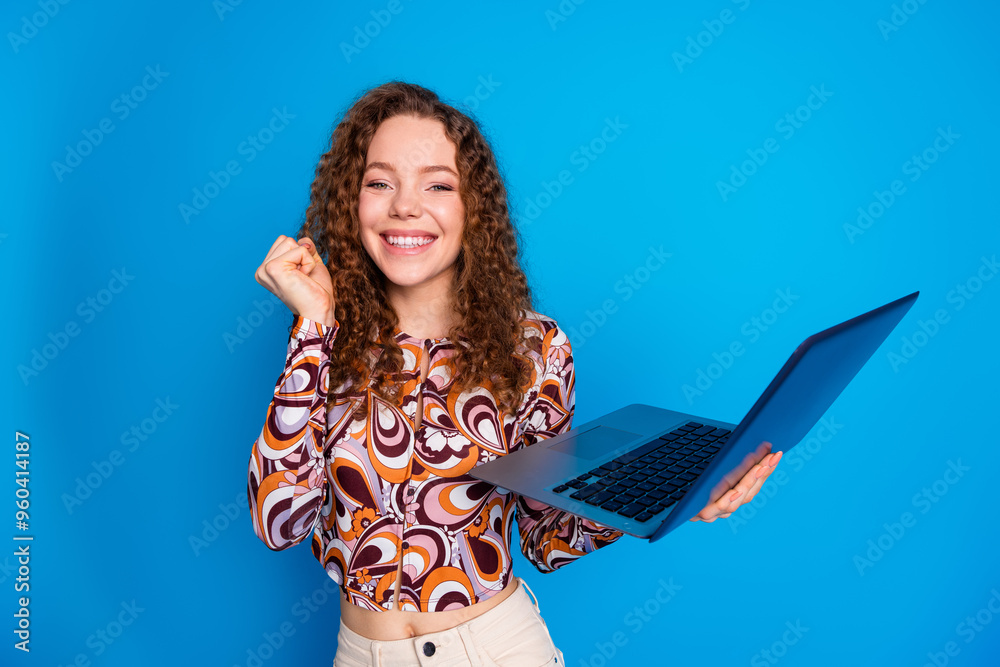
(409,241)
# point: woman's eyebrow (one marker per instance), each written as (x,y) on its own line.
(423,170)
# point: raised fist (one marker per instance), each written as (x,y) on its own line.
(295,273)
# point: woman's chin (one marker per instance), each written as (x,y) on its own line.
(409,279)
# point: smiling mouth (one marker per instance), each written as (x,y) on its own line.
(407,241)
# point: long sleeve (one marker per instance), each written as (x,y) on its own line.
(552,538)
(286,482)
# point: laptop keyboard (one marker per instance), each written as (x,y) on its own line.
(651,478)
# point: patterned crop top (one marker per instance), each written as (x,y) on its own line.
(372,489)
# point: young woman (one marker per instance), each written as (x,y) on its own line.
(415,355)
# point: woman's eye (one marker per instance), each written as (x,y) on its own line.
(375,184)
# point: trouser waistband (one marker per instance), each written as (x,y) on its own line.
(436,648)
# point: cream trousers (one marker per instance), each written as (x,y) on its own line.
(512,633)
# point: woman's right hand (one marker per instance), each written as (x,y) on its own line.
(295,273)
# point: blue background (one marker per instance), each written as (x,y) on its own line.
(553,80)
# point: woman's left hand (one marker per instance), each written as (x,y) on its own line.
(740,485)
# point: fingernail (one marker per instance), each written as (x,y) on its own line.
(736,496)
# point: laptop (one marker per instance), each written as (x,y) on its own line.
(646,471)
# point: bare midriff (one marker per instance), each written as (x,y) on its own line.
(394,624)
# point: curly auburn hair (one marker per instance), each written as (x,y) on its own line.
(491,292)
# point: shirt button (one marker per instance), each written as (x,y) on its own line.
(410,491)
(428,649)
(406,545)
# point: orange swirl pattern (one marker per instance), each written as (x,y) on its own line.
(371,489)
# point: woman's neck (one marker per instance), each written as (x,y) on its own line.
(425,311)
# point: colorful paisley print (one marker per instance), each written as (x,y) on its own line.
(351,469)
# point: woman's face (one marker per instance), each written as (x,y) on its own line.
(410,209)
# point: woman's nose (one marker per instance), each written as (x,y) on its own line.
(405,203)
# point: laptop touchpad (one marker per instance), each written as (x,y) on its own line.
(596,442)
